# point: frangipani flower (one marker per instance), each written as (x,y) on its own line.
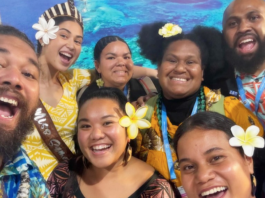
(46,30)
(169,29)
(134,120)
(248,140)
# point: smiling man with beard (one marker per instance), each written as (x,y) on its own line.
(19,93)
(244,35)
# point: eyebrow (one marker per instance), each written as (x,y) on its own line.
(104,117)
(110,53)
(236,17)
(205,153)
(78,36)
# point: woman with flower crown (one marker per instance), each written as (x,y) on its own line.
(59,38)
(218,162)
(184,62)
(103,166)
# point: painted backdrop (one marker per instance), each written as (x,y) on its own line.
(116,17)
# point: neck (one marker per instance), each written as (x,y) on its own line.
(260,69)
(1,162)
(48,74)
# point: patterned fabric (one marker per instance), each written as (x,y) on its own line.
(150,143)
(251,84)
(64,116)
(12,175)
(156,186)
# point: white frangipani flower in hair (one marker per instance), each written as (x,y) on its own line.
(248,140)
(46,31)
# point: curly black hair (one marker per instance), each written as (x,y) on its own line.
(207,39)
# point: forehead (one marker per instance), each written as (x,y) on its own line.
(73,27)
(17,47)
(201,140)
(185,47)
(242,7)
(116,46)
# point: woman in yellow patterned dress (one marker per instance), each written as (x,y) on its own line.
(182,60)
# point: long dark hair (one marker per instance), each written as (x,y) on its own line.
(205,120)
(77,164)
(207,39)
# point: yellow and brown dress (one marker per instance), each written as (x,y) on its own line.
(150,141)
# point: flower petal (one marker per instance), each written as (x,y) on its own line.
(39,35)
(234,142)
(248,150)
(52,35)
(143,124)
(51,24)
(37,26)
(252,131)
(45,39)
(130,110)
(43,23)
(238,132)
(141,112)
(54,29)
(132,131)
(125,121)
(257,142)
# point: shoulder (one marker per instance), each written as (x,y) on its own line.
(79,76)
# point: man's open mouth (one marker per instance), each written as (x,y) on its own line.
(8,107)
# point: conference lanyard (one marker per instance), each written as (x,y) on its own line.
(244,98)
(125,90)
(170,162)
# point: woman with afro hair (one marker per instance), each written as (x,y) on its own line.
(187,64)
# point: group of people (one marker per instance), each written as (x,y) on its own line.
(189,129)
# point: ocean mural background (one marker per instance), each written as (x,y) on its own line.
(116,17)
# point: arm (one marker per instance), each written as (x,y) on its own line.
(139,72)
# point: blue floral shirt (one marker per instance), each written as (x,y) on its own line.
(21,176)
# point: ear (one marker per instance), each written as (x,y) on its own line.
(96,63)
(249,164)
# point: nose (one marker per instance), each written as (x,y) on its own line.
(11,77)
(97,134)
(180,67)
(120,61)
(70,44)
(204,174)
(244,26)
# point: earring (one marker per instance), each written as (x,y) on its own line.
(253,184)
(42,44)
(100,82)
(128,154)
(85,161)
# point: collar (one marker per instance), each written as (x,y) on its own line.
(243,75)
(18,164)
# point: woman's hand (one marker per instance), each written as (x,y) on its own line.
(142,100)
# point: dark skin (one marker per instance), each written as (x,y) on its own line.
(242,20)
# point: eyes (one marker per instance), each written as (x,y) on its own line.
(235,22)
(189,167)
(86,126)
(25,72)
(186,62)
(78,41)
(127,57)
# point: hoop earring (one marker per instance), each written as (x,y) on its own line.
(100,82)
(42,44)
(253,184)
(128,154)
(85,162)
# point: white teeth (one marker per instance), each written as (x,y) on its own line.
(179,79)
(66,54)
(10,101)
(213,190)
(3,116)
(100,147)
(247,40)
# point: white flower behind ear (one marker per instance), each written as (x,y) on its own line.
(248,140)
(46,30)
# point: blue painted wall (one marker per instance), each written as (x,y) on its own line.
(116,17)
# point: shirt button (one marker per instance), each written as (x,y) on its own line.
(256,80)
(260,101)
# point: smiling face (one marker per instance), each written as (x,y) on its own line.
(210,166)
(180,73)
(19,92)
(63,51)
(244,26)
(100,137)
(115,65)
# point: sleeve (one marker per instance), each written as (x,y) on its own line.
(242,116)
(159,188)
(78,77)
(57,180)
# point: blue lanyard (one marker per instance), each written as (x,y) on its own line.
(257,98)
(165,138)
(125,90)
